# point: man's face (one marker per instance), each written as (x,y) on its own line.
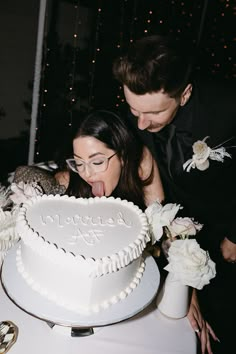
(153,110)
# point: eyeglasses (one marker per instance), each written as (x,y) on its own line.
(96,164)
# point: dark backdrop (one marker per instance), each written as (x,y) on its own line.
(83,37)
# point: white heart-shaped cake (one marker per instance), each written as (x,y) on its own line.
(83,254)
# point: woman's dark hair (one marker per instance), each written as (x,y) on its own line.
(155,63)
(109,128)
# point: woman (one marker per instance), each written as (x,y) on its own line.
(104,157)
(107,159)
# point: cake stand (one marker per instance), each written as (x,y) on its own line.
(34,304)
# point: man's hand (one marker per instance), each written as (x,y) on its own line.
(228,250)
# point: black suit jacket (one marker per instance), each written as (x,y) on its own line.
(209,196)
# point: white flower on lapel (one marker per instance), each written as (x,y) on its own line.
(202,153)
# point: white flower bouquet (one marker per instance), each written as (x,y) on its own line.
(188,263)
(10,200)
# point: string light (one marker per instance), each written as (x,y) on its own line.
(216,47)
(94,56)
(71,91)
(133,19)
(44,91)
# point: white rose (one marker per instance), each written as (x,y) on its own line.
(168,213)
(154,208)
(201,150)
(190,264)
(159,216)
(23,191)
(184,227)
(201,155)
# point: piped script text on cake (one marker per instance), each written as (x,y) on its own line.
(77,219)
(91,237)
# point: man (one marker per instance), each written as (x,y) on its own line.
(173,111)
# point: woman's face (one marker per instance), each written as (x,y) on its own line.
(91,151)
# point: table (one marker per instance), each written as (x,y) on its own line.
(149,332)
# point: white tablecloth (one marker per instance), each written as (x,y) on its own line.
(149,332)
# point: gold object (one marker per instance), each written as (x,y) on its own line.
(154,250)
(8,335)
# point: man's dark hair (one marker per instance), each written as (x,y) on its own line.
(152,64)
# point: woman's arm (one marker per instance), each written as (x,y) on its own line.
(202,328)
(154,190)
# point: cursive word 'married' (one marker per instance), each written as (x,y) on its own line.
(87,220)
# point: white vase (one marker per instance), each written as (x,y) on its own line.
(173,299)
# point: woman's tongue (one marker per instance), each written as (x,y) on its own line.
(98,189)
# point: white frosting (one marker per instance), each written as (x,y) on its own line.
(83,254)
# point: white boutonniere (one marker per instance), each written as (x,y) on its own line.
(202,153)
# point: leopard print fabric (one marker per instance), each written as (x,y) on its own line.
(44,178)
